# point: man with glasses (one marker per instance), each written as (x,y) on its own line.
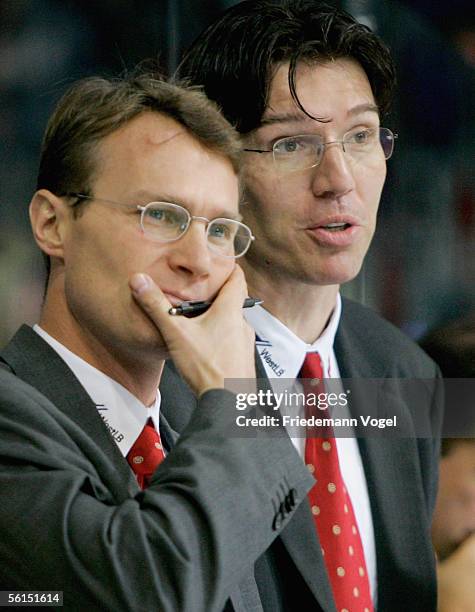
(307,86)
(136,211)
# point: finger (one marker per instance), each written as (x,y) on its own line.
(233,293)
(150,298)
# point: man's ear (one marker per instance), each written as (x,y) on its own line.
(48,217)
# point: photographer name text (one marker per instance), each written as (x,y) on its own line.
(313,421)
(321,401)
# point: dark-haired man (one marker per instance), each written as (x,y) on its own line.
(136,210)
(306,86)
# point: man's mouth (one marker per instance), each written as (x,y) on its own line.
(336,231)
(336,227)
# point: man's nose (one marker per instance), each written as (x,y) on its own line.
(190,253)
(333,177)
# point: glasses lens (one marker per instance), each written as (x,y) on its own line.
(164,221)
(387,141)
(298,152)
(228,238)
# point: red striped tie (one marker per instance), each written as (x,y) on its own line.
(146,454)
(332,509)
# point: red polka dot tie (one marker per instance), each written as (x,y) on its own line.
(146,454)
(331,507)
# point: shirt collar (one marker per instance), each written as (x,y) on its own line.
(123,414)
(281,351)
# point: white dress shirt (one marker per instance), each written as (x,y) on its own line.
(124,415)
(282,354)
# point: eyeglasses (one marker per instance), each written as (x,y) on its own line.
(306,151)
(167,222)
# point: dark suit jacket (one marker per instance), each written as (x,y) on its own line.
(73,519)
(401,473)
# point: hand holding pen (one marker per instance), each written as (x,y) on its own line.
(193,309)
(206,350)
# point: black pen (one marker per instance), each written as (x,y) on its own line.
(191,309)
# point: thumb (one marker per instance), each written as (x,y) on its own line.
(151,299)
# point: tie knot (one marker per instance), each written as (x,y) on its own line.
(146,453)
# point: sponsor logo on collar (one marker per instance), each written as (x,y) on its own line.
(270,363)
(117,435)
(114,432)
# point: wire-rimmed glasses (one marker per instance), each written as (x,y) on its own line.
(168,222)
(306,150)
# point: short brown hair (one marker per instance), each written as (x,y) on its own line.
(95,107)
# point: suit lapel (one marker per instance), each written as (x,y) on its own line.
(392,474)
(35,362)
(178,400)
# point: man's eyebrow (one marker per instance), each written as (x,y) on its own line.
(225,214)
(363,108)
(146,197)
(297,116)
(292,117)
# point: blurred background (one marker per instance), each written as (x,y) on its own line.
(420,272)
